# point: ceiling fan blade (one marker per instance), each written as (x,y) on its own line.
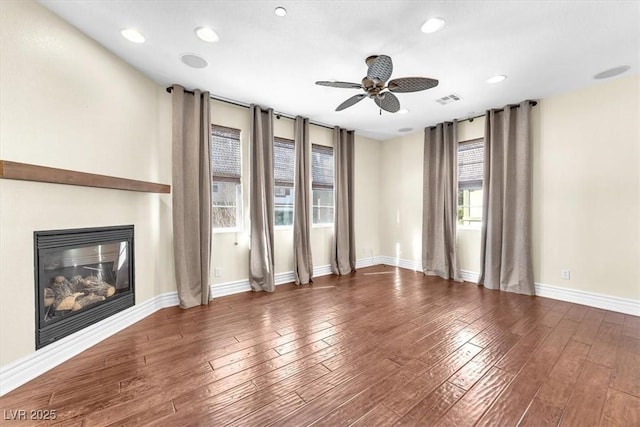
(380,69)
(351,101)
(388,102)
(345,85)
(411,84)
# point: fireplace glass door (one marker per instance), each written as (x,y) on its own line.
(82,275)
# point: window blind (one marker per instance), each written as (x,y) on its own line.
(321,167)
(225,154)
(470,164)
(283,162)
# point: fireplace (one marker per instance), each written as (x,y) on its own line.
(82,276)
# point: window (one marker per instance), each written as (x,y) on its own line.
(226,188)
(283,173)
(322,184)
(470,173)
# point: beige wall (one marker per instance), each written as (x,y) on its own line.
(230,250)
(367,202)
(401,208)
(586,191)
(67,102)
(401,199)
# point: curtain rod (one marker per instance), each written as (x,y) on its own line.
(470,119)
(289,116)
(278,114)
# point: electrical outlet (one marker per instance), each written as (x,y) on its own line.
(217,272)
(565,274)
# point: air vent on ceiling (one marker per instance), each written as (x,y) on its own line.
(449,99)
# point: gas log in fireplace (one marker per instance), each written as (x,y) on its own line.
(82,276)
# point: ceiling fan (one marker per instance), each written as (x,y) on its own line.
(376,87)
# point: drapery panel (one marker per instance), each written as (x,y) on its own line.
(261,202)
(302,260)
(191,195)
(505,262)
(439,202)
(343,254)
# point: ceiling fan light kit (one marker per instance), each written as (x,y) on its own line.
(376,87)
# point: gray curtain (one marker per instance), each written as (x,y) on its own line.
(191,191)
(505,262)
(343,253)
(261,263)
(439,201)
(302,261)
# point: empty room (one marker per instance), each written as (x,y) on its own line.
(333,213)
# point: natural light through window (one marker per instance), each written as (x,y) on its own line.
(283,173)
(470,174)
(226,187)
(322,184)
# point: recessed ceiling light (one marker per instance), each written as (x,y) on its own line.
(403,111)
(193,61)
(432,25)
(207,34)
(612,72)
(497,79)
(132,35)
(280,11)
(405,130)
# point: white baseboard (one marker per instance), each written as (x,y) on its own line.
(367,262)
(399,262)
(287,277)
(238,286)
(229,288)
(323,270)
(606,302)
(40,361)
(469,276)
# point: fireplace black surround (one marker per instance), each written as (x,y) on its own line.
(82,276)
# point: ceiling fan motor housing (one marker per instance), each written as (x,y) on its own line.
(372,88)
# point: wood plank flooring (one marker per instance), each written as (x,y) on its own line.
(381,347)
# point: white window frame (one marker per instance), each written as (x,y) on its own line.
(239,227)
(284,226)
(476,225)
(313,205)
(239,214)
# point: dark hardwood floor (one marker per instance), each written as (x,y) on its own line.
(381,347)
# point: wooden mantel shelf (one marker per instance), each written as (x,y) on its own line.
(27,172)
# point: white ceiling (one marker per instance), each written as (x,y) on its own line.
(544,47)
